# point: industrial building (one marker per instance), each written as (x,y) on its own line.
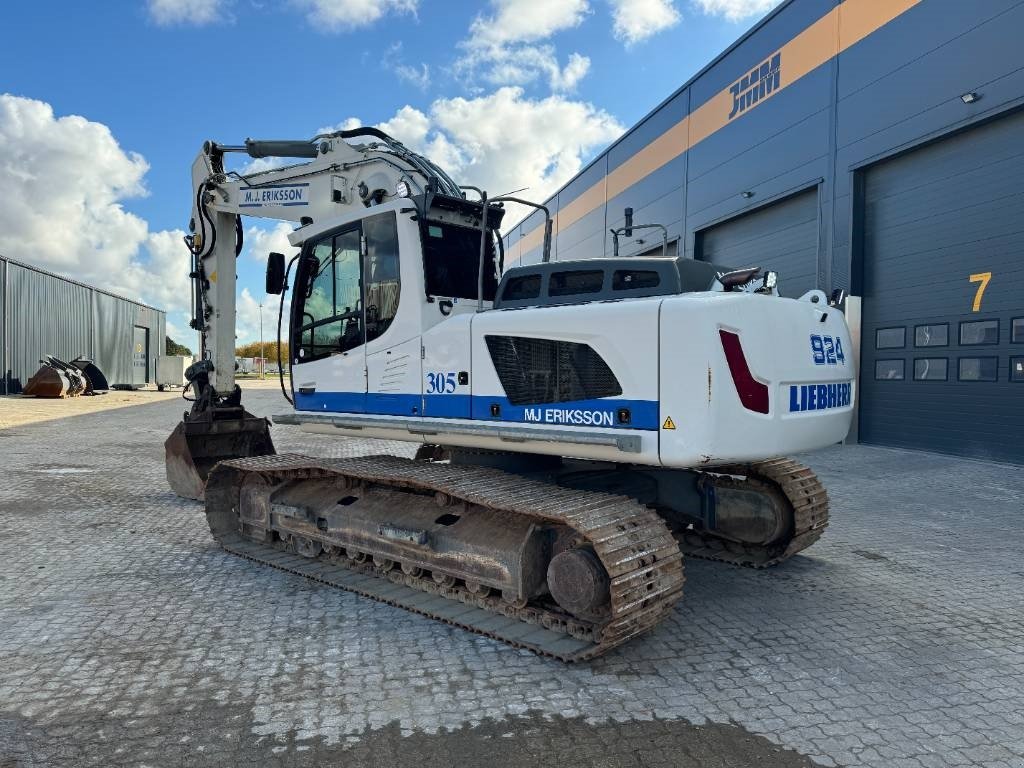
(42,313)
(875,146)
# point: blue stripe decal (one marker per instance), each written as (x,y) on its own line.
(604,413)
(331,402)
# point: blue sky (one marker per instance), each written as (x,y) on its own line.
(105,105)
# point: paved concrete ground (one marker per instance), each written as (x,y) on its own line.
(16,410)
(127,637)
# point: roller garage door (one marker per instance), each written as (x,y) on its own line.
(942,360)
(782,236)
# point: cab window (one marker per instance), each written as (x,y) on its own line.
(381,271)
(331,318)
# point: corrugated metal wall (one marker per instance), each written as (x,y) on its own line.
(42,313)
(47,316)
(113,319)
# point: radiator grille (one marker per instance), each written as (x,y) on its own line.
(548,371)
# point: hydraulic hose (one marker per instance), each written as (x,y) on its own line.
(280,314)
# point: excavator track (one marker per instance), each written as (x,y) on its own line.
(636,548)
(804,493)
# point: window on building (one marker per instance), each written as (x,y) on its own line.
(1017,369)
(889,370)
(890,338)
(930,369)
(979,369)
(936,335)
(1017,330)
(979,332)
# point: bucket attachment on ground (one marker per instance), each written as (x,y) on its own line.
(217,428)
(55,378)
(97,381)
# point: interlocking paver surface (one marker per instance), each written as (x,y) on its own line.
(128,638)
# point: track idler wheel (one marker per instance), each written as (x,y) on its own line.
(578,582)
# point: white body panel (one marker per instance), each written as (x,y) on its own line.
(681,397)
(669,359)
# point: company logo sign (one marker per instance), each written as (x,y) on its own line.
(575,416)
(273,194)
(750,89)
(819,397)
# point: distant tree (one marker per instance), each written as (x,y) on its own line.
(174,348)
(267,352)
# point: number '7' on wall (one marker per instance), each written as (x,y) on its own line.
(982,279)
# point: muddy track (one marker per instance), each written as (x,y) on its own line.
(803,492)
(633,543)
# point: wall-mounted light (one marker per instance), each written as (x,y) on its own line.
(746,194)
(969,98)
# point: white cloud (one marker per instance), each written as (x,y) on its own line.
(336,15)
(64,181)
(636,20)
(416,76)
(345,125)
(736,10)
(196,12)
(504,140)
(247,317)
(522,21)
(504,48)
(261,164)
(260,241)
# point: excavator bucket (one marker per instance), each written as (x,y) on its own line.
(197,444)
(48,381)
(97,381)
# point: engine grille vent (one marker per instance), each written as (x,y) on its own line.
(547,371)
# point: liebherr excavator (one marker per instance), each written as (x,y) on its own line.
(583,425)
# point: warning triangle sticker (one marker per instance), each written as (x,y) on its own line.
(669,424)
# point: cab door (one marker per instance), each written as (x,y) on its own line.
(392,333)
(329,361)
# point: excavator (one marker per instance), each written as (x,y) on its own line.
(582,426)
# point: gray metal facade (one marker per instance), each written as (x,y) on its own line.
(939,352)
(42,313)
(843,99)
(783,235)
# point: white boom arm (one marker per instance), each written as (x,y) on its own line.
(339,178)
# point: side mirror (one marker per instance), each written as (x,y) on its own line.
(275,274)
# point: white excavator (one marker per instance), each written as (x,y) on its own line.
(582,425)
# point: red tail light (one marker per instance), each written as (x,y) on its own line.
(753,394)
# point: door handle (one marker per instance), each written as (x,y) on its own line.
(307,389)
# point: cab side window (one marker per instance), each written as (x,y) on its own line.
(332,312)
(381,271)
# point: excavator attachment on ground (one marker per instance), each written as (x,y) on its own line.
(57,378)
(216,429)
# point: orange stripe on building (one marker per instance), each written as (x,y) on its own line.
(840,28)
